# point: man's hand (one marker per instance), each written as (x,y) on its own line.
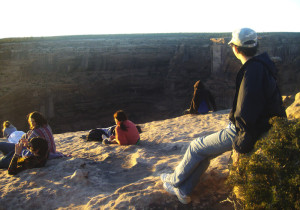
(234,157)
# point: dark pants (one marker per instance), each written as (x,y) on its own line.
(8,150)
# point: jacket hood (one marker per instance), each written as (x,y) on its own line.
(265,59)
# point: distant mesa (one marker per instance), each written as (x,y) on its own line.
(78,82)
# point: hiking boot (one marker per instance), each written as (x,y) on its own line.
(175,191)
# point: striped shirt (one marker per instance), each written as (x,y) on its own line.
(43,132)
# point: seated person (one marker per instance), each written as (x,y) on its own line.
(16,162)
(39,127)
(11,132)
(8,129)
(202,100)
(99,134)
(126,132)
(257,100)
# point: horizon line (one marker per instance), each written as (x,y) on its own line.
(126,34)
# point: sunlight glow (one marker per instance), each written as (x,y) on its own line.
(29,18)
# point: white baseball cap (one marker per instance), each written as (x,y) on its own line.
(244,37)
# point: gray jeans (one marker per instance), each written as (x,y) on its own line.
(197,157)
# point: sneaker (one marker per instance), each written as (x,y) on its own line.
(104,137)
(175,191)
(165,177)
(181,197)
(169,188)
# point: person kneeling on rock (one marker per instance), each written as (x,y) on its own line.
(126,132)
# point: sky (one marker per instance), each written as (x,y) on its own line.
(41,18)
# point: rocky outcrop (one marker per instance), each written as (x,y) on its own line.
(79,82)
(293,111)
(98,176)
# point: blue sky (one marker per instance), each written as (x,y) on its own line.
(35,18)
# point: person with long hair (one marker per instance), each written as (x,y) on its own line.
(39,127)
(202,101)
(126,132)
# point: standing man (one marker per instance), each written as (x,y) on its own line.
(257,99)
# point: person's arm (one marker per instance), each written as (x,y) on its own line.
(19,163)
(27,136)
(4,133)
(249,107)
(13,166)
(112,140)
(24,142)
(120,136)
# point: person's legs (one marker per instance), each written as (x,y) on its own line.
(5,161)
(188,185)
(197,157)
(111,130)
(8,149)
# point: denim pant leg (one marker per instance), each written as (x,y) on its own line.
(8,150)
(6,147)
(188,185)
(197,157)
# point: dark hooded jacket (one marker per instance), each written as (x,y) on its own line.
(201,94)
(257,99)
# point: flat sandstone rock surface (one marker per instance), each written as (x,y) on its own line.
(100,176)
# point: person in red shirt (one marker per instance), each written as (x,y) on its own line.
(126,131)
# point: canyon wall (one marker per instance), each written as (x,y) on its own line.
(78,82)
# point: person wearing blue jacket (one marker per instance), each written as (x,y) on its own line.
(257,99)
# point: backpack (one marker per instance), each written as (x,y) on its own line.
(95,135)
